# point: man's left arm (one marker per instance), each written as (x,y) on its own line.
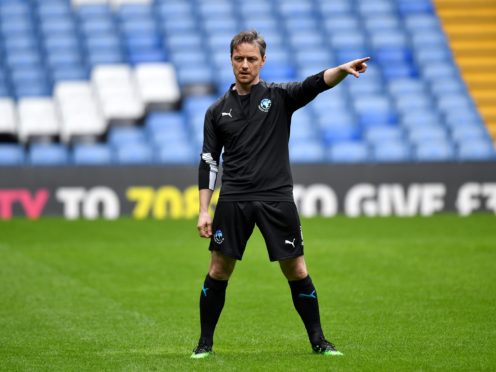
(333,76)
(300,93)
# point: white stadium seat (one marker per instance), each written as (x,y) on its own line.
(37,118)
(77,3)
(116,90)
(157,85)
(8,117)
(117,3)
(79,111)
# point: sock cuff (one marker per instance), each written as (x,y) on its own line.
(302,284)
(215,283)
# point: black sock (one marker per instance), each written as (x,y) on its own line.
(212,298)
(306,304)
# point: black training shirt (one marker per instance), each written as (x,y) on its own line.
(255,140)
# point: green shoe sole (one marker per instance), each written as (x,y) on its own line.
(201,355)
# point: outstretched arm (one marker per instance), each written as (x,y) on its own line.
(333,76)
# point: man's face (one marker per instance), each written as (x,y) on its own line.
(247,62)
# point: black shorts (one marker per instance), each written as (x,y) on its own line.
(278,221)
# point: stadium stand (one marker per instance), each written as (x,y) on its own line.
(128,81)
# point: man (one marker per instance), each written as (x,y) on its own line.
(251,122)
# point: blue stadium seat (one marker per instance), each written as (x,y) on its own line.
(295,8)
(197,104)
(435,150)
(11,154)
(421,22)
(134,11)
(104,56)
(442,87)
(87,11)
(138,153)
(346,40)
(427,133)
(306,152)
(408,102)
(458,101)
(464,133)
(418,118)
(92,154)
(333,8)
(23,42)
(48,154)
(476,149)
(177,152)
(401,86)
(406,7)
(256,9)
(278,72)
(63,43)
(382,22)
(337,132)
(195,75)
(166,128)
(121,136)
(382,134)
(348,152)
(52,10)
(96,26)
(437,54)
(428,39)
(184,41)
(189,57)
(391,151)
(71,72)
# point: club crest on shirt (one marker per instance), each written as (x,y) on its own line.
(218,237)
(265,105)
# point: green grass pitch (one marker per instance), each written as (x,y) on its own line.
(413,294)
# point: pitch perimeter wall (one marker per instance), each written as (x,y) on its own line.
(320,190)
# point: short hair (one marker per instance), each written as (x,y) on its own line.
(249,37)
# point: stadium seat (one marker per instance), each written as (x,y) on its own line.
(348,152)
(48,154)
(157,85)
(38,117)
(375,7)
(333,8)
(382,134)
(442,87)
(391,151)
(167,121)
(401,86)
(408,102)
(424,133)
(476,150)
(8,117)
(92,154)
(406,7)
(420,118)
(434,150)
(468,133)
(179,152)
(11,154)
(139,153)
(123,136)
(306,152)
(341,23)
(79,111)
(340,132)
(117,93)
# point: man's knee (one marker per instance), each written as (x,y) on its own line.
(294,268)
(221,267)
